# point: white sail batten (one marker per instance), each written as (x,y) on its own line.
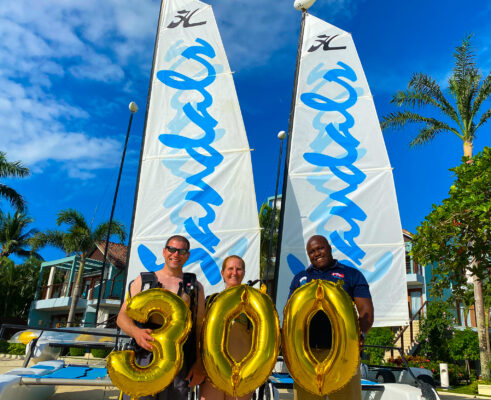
(340,182)
(196,173)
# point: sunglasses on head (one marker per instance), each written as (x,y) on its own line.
(180,251)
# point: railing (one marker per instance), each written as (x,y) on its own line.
(60,290)
(415,317)
(57,290)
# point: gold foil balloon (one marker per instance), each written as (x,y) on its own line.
(341,363)
(136,380)
(239,377)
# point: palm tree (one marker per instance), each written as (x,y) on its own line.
(80,239)
(15,236)
(460,117)
(9,170)
(17,288)
(468,94)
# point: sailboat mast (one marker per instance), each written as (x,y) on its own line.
(287,158)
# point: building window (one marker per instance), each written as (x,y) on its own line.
(408,264)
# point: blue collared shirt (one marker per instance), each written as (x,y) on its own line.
(355,283)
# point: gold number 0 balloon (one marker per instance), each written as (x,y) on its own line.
(341,363)
(240,378)
(136,380)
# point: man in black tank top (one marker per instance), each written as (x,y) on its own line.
(170,277)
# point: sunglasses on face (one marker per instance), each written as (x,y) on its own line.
(172,250)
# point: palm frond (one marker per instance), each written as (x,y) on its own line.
(12,197)
(49,238)
(399,119)
(484,118)
(482,95)
(117,228)
(14,169)
(426,135)
(464,60)
(430,89)
(413,98)
(72,217)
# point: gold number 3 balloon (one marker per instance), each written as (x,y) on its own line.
(335,371)
(136,380)
(239,377)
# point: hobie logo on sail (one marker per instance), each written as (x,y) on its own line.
(325,42)
(184,17)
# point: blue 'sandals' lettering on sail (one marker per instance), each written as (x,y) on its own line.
(206,196)
(200,149)
(148,259)
(207,263)
(294,264)
(340,134)
(382,266)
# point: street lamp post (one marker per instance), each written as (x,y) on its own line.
(133,109)
(281,136)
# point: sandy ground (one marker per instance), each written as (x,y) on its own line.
(110,393)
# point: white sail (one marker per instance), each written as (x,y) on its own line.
(195,174)
(340,182)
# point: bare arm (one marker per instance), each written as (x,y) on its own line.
(196,374)
(142,336)
(365,313)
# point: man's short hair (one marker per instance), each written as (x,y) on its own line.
(179,238)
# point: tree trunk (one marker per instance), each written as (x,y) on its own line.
(486,321)
(76,292)
(479,304)
(468,147)
(481,328)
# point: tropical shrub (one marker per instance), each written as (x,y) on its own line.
(100,353)
(17,349)
(4,346)
(77,351)
(377,337)
(436,331)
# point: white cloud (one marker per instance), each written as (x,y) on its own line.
(49,47)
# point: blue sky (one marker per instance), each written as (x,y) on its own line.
(68,70)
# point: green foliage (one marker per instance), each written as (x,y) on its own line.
(436,330)
(467,389)
(460,112)
(15,235)
(76,352)
(455,236)
(12,169)
(17,349)
(265,219)
(456,373)
(17,288)
(459,229)
(4,346)
(464,345)
(79,239)
(378,337)
(100,353)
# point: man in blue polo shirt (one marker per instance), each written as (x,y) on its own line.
(323,266)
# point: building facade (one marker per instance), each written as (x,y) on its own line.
(56,282)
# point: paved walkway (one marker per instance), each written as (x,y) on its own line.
(68,392)
(110,393)
(455,396)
